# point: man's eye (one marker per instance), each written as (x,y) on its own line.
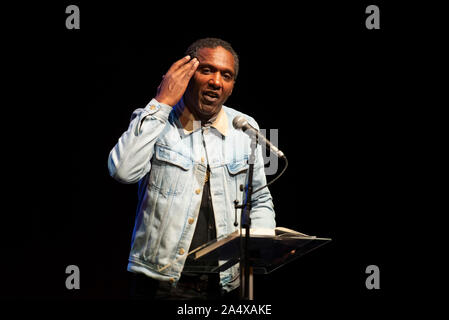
(227,76)
(205,70)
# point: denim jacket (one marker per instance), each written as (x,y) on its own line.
(169,162)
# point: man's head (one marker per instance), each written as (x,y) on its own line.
(214,79)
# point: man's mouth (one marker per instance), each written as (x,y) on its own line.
(210,96)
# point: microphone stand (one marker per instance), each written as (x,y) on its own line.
(246,276)
(246,270)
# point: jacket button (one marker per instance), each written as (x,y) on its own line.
(197,191)
(181,251)
(202,159)
(152,107)
(191,220)
(171,280)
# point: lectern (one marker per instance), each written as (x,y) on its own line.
(255,251)
(269,250)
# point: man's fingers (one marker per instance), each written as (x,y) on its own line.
(175,66)
(185,69)
(175,81)
(192,69)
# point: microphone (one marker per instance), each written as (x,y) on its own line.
(240,122)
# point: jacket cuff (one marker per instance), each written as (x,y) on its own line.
(163,110)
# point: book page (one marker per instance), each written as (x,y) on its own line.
(281,231)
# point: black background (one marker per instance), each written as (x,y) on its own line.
(336,92)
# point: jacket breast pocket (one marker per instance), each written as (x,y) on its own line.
(237,167)
(236,175)
(169,171)
(237,171)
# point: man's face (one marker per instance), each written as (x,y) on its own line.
(212,83)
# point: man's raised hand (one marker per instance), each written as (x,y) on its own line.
(174,82)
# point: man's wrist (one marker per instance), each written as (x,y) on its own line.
(163,101)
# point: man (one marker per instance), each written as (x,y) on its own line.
(189,162)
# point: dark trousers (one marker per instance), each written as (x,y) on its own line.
(204,287)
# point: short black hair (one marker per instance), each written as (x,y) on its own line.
(212,43)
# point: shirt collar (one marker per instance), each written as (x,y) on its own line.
(190,124)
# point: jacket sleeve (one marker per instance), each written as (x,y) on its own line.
(129,160)
(262,210)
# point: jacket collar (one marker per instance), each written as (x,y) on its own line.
(191,124)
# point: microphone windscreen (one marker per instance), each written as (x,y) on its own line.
(239,122)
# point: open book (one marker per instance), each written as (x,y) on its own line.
(277,233)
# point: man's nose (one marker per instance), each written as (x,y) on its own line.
(216,81)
